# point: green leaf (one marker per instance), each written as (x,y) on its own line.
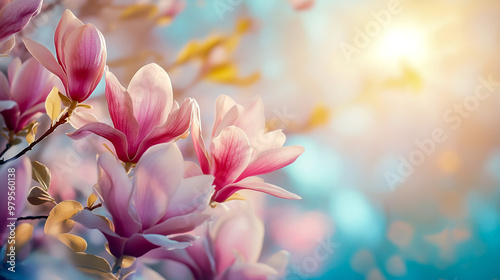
(53,104)
(91,200)
(38,196)
(75,243)
(41,174)
(65,100)
(30,136)
(59,220)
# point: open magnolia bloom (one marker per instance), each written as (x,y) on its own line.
(143,115)
(23,94)
(14,16)
(229,248)
(240,148)
(151,209)
(81,56)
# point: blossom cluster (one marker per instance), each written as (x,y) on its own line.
(157,204)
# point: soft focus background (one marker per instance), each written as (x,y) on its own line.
(364,86)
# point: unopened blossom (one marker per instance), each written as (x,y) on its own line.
(23,92)
(14,16)
(156,203)
(145,114)
(229,248)
(240,148)
(81,56)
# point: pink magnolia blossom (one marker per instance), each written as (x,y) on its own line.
(155,204)
(14,16)
(81,56)
(23,94)
(229,248)
(143,115)
(241,149)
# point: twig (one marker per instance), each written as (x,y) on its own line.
(61,121)
(32,218)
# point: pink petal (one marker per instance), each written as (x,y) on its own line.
(237,225)
(29,115)
(179,224)
(271,160)
(121,110)
(231,153)
(7,45)
(256,184)
(152,98)
(222,105)
(229,119)
(116,137)
(192,195)
(115,191)
(252,119)
(86,49)
(16,15)
(92,221)
(250,271)
(156,179)
(45,57)
(13,69)
(279,261)
(65,27)
(176,126)
(140,244)
(28,85)
(81,118)
(198,142)
(191,169)
(4,88)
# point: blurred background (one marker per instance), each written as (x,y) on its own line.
(396,102)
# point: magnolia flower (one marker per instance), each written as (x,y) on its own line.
(23,94)
(155,203)
(14,16)
(229,248)
(241,148)
(143,115)
(81,56)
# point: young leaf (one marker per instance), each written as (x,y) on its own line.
(41,174)
(38,196)
(59,220)
(30,137)
(75,243)
(53,104)
(91,200)
(65,100)
(91,261)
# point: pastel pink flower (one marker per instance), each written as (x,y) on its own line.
(14,16)
(81,56)
(23,93)
(152,206)
(240,149)
(143,115)
(229,248)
